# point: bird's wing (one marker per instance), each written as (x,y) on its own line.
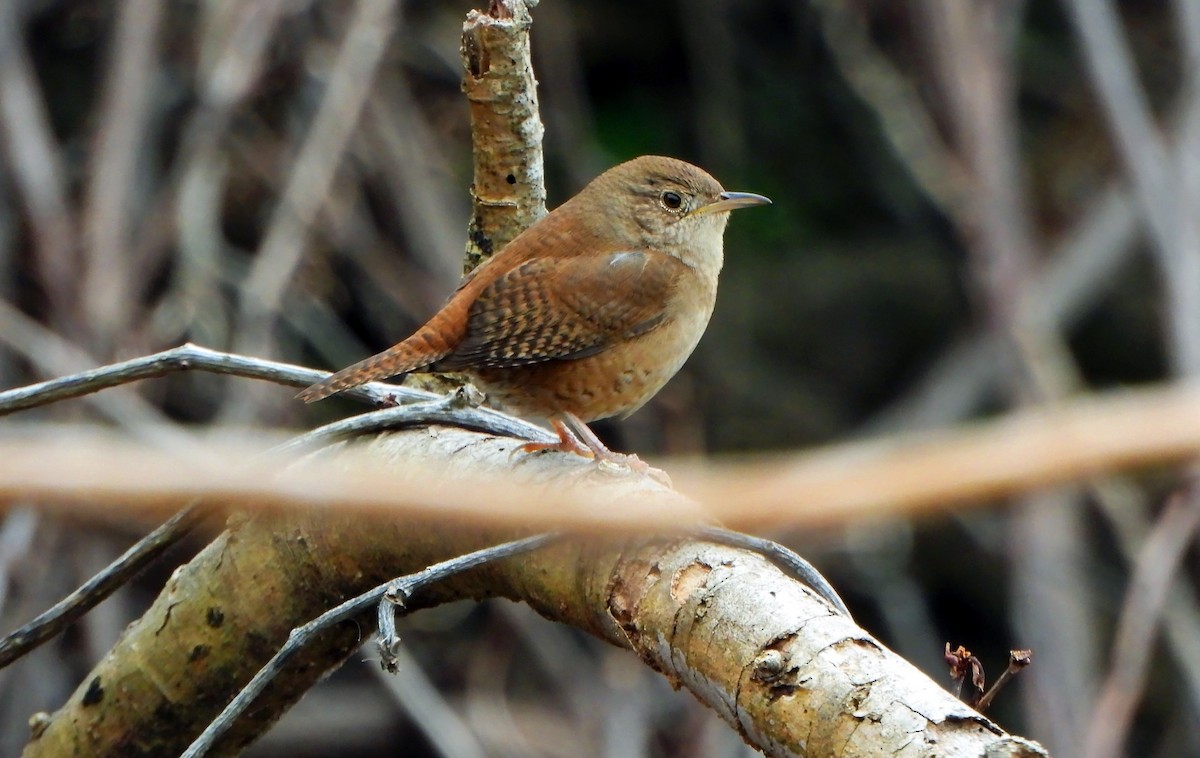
(563,308)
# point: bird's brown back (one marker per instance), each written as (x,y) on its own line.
(548,240)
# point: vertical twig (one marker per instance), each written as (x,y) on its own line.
(977,75)
(1185,265)
(37,168)
(509,191)
(419,180)
(234,44)
(119,148)
(346,92)
(906,124)
(974,43)
(1159,188)
(428,709)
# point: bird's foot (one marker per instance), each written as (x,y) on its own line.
(389,401)
(574,436)
(619,463)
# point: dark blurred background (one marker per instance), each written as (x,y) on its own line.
(944,178)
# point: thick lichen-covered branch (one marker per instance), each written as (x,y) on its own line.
(789,673)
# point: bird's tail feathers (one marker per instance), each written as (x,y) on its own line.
(432,342)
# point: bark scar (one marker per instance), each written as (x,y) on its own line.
(688,579)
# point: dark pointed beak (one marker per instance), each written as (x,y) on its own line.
(729,201)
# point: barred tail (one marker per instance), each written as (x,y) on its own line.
(381,366)
(418,351)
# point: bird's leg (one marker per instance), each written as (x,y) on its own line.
(568,442)
(584,434)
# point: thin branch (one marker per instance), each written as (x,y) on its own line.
(17,529)
(188,358)
(906,123)
(427,708)
(35,162)
(401,589)
(1127,513)
(979,85)
(51,354)
(453,410)
(1141,614)
(1187,20)
(1018,661)
(100,586)
(109,227)
(1138,137)
(791,562)
(346,91)
(237,38)
(409,154)
(1159,188)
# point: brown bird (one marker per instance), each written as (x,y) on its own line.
(587,313)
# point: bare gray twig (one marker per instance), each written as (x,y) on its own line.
(237,41)
(786,559)
(65,612)
(453,410)
(392,594)
(428,709)
(907,125)
(187,358)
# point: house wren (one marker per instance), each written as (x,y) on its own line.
(587,313)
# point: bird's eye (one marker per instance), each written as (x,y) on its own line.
(672,200)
